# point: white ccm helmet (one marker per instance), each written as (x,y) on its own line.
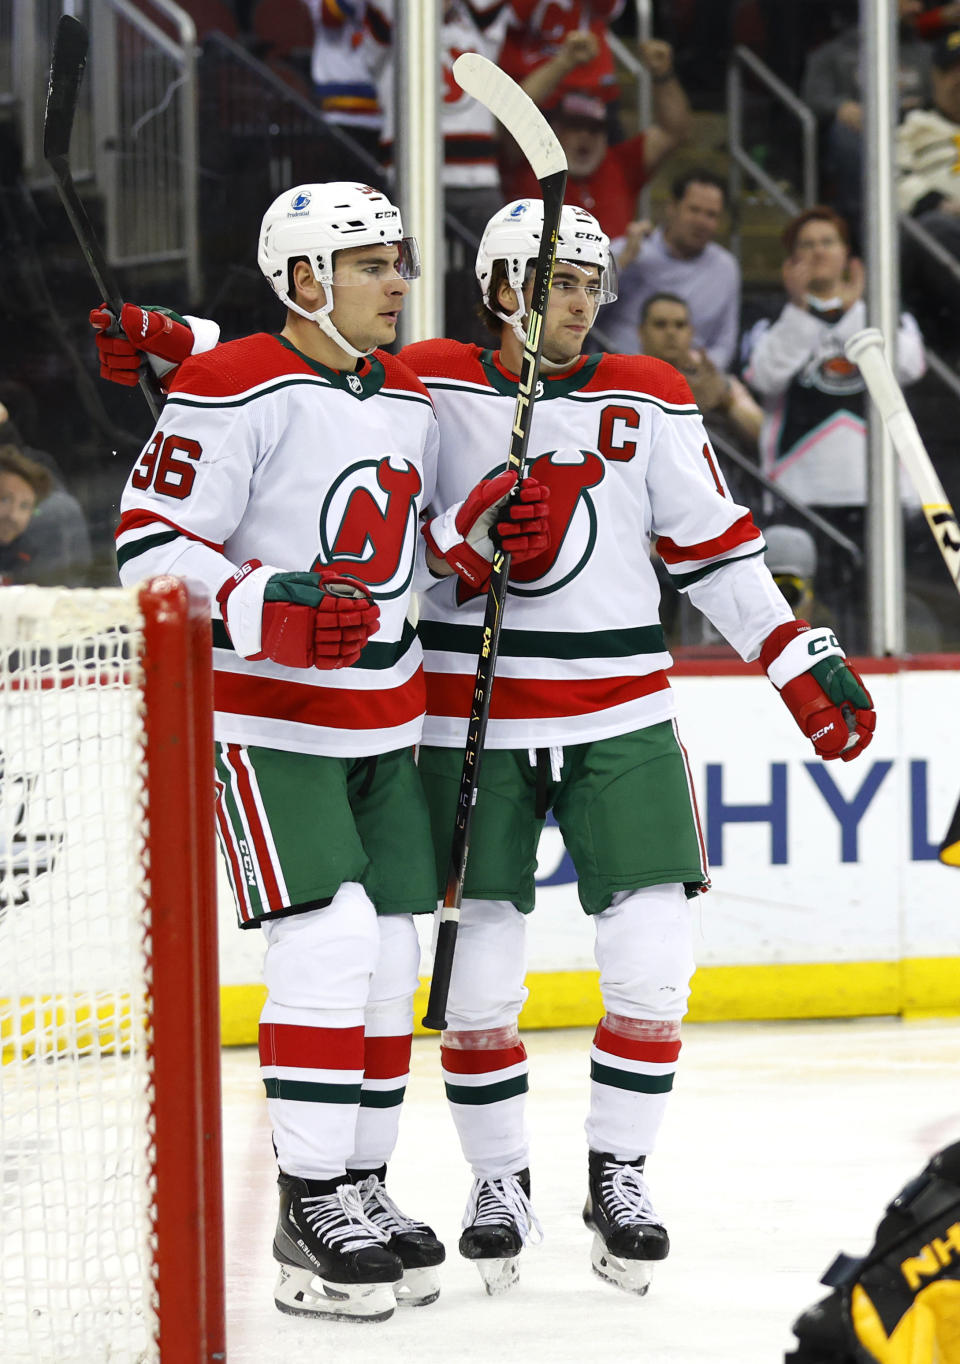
(513,236)
(318,220)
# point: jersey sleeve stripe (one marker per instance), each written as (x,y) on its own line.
(516,698)
(682,581)
(141,530)
(680,557)
(184,399)
(677,409)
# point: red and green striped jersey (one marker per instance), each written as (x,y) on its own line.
(622,446)
(262,453)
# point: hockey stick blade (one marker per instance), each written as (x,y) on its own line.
(69,58)
(866,350)
(66,72)
(515,109)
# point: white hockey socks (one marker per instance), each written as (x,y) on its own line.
(485,1077)
(632,1064)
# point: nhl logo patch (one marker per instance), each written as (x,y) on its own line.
(355,385)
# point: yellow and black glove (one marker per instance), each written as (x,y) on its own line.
(900,1303)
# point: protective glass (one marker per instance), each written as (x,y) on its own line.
(796,590)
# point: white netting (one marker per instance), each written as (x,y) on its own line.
(76,1277)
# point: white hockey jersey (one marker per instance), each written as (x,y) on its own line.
(468,128)
(622,446)
(261,453)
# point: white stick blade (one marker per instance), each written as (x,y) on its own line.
(515,109)
(866,350)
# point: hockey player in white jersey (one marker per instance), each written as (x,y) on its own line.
(287,473)
(582,722)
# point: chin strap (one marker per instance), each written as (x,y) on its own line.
(322,318)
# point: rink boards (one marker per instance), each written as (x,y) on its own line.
(827,898)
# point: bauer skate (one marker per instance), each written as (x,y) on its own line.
(497,1224)
(333,1261)
(629,1237)
(415,1245)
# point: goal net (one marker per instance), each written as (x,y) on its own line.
(110,1200)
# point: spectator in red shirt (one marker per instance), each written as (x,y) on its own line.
(605,180)
(538,35)
(937,20)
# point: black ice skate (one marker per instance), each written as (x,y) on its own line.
(497,1224)
(333,1261)
(629,1235)
(414,1243)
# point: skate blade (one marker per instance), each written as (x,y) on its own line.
(499,1276)
(300,1293)
(632,1276)
(418,1287)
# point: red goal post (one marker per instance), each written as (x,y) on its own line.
(111,1202)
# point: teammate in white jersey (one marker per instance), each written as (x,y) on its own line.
(582,722)
(286,474)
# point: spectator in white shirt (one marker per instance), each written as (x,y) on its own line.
(813,442)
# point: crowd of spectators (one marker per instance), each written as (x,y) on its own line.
(782,393)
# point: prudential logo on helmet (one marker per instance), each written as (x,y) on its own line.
(300,202)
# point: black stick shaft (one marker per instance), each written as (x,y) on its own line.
(551,189)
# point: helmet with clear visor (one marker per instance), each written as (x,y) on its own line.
(513,236)
(316,221)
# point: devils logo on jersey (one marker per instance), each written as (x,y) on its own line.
(570,474)
(832,374)
(368,523)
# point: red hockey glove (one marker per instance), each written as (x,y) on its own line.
(152,332)
(308,620)
(498,513)
(824,694)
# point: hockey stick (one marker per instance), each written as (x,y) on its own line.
(865,349)
(66,72)
(524,121)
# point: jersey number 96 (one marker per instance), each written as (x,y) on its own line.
(164,464)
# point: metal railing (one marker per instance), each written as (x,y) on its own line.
(26,30)
(742,163)
(145,134)
(814,520)
(641,78)
(135,129)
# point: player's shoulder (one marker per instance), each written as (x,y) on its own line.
(400,377)
(442,358)
(235,367)
(642,376)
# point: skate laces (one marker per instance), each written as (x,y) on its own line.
(338,1218)
(626,1194)
(502,1202)
(380,1209)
